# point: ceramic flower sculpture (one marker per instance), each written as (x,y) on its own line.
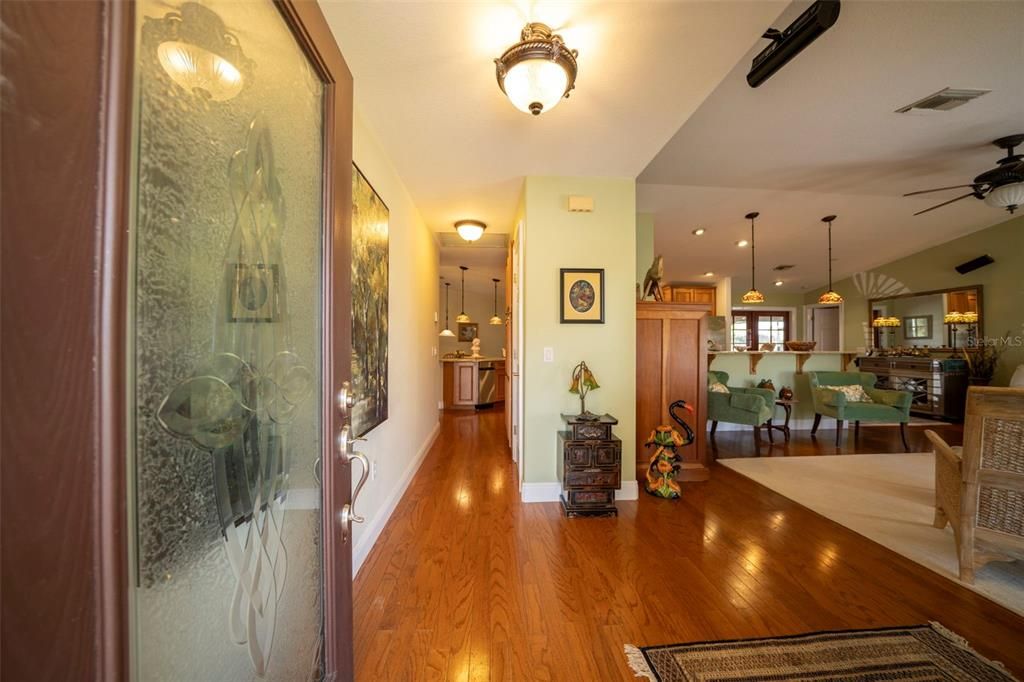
(666,462)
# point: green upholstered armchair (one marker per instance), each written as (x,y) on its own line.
(750,406)
(885,405)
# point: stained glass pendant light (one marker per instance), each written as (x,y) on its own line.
(447,331)
(830,296)
(752,296)
(537,72)
(494,318)
(463,317)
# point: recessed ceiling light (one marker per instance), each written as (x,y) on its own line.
(741,243)
(709,274)
(778,282)
(698,232)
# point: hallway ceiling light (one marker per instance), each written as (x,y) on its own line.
(494,318)
(463,317)
(538,71)
(741,243)
(752,296)
(699,231)
(778,282)
(447,331)
(470,230)
(709,274)
(199,54)
(830,297)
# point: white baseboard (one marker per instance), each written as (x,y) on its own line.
(630,490)
(377,523)
(548,492)
(540,492)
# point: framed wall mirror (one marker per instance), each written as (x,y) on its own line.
(939,319)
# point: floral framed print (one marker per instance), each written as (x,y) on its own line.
(582,295)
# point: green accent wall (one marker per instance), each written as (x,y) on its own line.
(554,238)
(1003,282)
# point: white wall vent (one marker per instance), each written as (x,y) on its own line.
(943,100)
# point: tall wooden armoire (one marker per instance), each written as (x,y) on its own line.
(671,364)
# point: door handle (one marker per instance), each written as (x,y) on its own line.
(344,442)
(346,398)
(348,515)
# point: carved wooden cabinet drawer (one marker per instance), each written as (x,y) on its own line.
(589,465)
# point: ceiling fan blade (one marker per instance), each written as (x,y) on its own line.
(939,189)
(945,203)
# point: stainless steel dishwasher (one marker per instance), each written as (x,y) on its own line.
(488,385)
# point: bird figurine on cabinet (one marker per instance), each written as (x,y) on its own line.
(652,280)
(666,462)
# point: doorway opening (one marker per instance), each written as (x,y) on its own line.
(824,325)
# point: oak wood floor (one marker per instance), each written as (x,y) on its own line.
(467,583)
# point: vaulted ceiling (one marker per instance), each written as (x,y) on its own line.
(822,137)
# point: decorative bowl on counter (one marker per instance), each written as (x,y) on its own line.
(801,346)
(740,349)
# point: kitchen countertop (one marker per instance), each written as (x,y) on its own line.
(482,358)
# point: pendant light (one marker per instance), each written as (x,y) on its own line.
(470,230)
(463,317)
(447,331)
(494,318)
(199,54)
(537,72)
(752,296)
(830,296)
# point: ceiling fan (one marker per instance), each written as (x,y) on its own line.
(1000,187)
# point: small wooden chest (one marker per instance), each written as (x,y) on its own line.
(589,466)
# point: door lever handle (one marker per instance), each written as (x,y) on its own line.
(344,441)
(363,475)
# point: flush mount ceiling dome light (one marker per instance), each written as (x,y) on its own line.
(470,230)
(199,54)
(830,296)
(752,296)
(538,71)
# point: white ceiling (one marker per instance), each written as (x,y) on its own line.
(424,82)
(821,137)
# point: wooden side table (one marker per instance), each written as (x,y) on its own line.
(787,406)
(589,466)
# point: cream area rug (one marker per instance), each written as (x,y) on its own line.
(888,499)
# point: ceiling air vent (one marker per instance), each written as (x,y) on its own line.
(943,100)
(781,268)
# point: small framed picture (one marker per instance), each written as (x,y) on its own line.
(582,294)
(254,293)
(468,331)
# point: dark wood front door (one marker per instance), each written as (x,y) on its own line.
(175,342)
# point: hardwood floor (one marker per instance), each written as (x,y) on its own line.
(467,583)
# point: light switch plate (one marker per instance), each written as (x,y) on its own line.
(549,355)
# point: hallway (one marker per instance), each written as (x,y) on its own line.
(468,583)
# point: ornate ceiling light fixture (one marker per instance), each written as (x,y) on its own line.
(447,331)
(752,296)
(199,54)
(463,317)
(494,318)
(470,230)
(538,71)
(830,296)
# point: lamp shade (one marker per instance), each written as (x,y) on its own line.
(1007,196)
(830,298)
(753,296)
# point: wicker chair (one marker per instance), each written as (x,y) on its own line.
(979,488)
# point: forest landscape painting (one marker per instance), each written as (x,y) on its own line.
(369,305)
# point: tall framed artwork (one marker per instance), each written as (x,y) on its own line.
(582,295)
(369,305)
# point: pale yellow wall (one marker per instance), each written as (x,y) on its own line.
(412,368)
(644,245)
(556,239)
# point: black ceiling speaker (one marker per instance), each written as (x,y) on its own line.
(789,42)
(972,265)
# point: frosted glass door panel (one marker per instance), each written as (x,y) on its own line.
(226,392)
